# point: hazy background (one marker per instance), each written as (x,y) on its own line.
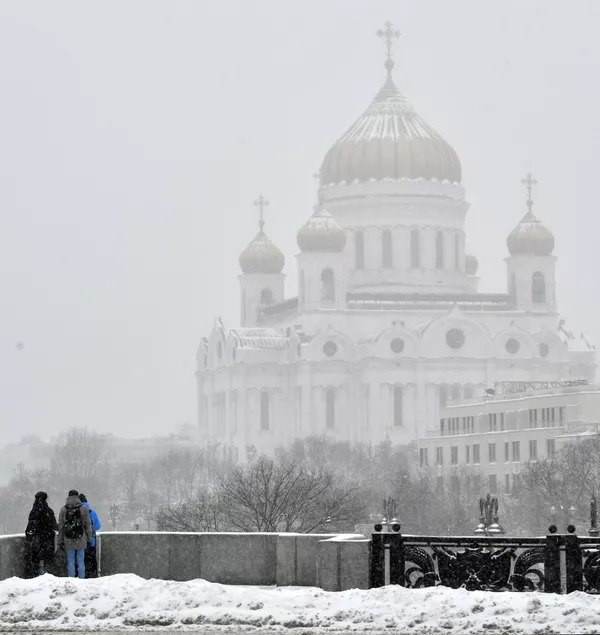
(134,136)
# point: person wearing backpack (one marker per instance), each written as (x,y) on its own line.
(40,533)
(74,533)
(91,563)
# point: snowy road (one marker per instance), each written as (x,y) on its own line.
(126,602)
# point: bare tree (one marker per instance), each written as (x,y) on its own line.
(286,496)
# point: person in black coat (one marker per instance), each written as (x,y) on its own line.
(41,532)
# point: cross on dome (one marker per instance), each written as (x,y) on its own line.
(261,202)
(529,182)
(388,34)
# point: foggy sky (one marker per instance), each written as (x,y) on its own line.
(134,136)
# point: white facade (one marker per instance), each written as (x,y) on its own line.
(496,435)
(389,322)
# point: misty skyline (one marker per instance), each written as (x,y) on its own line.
(137,135)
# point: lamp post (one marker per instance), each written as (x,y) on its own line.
(593,530)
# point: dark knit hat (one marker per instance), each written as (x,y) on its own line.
(41,496)
(73,492)
(83,498)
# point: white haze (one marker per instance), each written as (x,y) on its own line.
(134,136)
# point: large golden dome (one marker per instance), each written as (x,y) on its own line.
(390,141)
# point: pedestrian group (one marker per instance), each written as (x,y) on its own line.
(77,526)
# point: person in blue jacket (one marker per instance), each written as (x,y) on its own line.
(91,561)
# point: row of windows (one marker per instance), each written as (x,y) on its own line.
(387,252)
(472,453)
(536,417)
(457,425)
(472,484)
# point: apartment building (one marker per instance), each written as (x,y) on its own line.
(495,435)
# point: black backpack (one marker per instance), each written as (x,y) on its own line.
(73,523)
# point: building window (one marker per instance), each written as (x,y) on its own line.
(301,291)
(467,454)
(492,421)
(516,451)
(423,458)
(386,249)
(512,346)
(454,455)
(439,485)
(476,457)
(550,447)
(492,452)
(439,250)
(455,392)
(442,426)
(516,482)
(493,484)
(501,421)
(398,406)
(359,250)
(533,450)
(561,415)
(507,483)
(443,396)
(330,409)
(544,349)
(533,418)
(266,297)
(553,416)
(439,456)
(415,248)
(397,345)
(538,288)
(457,251)
(506,451)
(455,338)
(265,411)
(327,285)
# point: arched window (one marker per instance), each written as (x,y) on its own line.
(457,252)
(513,287)
(415,248)
(455,392)
(398,406)
(359,250)
(330,409)
(266,297)
(443,396)
(265,411)
(301,290)
(327,285)
(387,258)
(439,250)
(538,288)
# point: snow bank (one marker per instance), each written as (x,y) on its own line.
(127,602)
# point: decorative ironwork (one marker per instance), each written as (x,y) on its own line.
(528,571)
(419,568)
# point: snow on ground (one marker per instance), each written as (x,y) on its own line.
(127,602)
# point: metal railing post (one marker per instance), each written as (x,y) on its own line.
(396,558)
(573,563)
(377,560)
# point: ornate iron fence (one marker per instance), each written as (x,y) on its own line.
(556,563)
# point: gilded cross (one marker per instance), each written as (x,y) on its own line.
(261,202)
(388,34)
(529,182)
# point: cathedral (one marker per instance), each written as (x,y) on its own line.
(389,324)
